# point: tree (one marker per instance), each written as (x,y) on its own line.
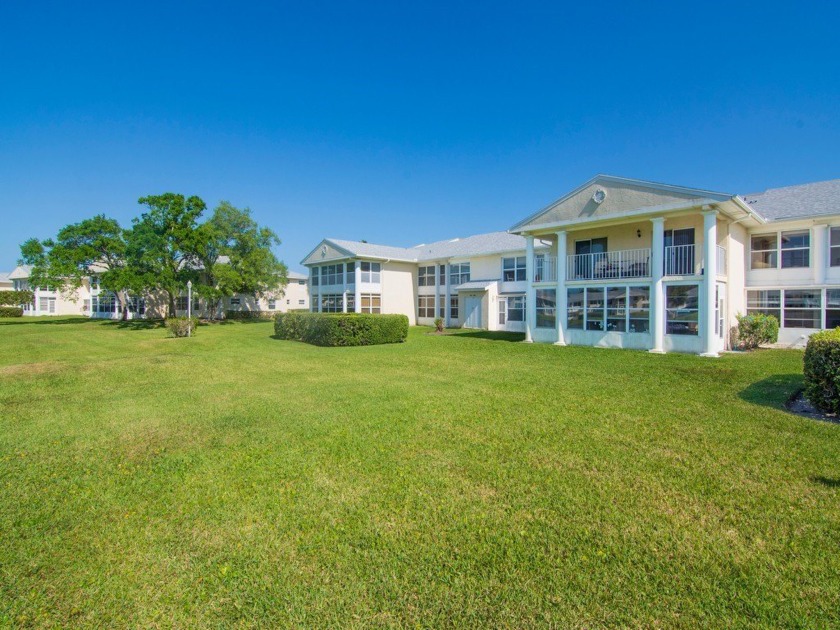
(162,246)
(94,246)
(235,255)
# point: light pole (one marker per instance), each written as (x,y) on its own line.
(189,308)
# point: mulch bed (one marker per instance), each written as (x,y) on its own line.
(800,405)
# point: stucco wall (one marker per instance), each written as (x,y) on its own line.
(397,287)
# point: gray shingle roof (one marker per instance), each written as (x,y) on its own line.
(296,275)
(480,244)
(797,202)
(21,272)
(4,276)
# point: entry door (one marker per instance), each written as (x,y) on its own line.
(585,265)
(473,308)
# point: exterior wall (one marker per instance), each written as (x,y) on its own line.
(398,290)
(737,250)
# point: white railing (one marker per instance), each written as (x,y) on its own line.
(545,269)
(679,260)
(721,261)
(627,263)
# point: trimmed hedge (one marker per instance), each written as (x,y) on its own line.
(754,330)
(11,311)
(249,314)
(822,370)
(341,329)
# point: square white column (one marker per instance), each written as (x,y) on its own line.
(709,301)
(819,249)
(357,269)
(437,291)
(448,306)
(657,294)
(561,299)
(530,305)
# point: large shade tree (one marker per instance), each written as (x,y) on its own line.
(235,256)
(92,247)
(162,245)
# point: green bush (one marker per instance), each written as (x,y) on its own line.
(16,298)
(181,326)
(11,311)
(249,314)
(341,329)
(756,329)
(822,370)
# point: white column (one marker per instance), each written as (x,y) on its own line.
(657,295)
(357,269)
(819,249)
(562,305)
(437,290)
(320,305)
(707,304)
(448,305)
(344,287)
(530,301)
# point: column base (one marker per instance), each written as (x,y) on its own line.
(560,343)
(711,355)
(527,341)
(656,351)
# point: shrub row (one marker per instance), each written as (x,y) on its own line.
(249,314)
(822,370)
(756,329)
(16,298)
(341,329)
(11,311)
(181,326)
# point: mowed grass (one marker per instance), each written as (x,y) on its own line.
(236,480)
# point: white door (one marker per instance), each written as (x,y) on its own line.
(473,308)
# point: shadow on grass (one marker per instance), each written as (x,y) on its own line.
(492,335)
(773,391)
(46,321)
(828,482)
(135,324)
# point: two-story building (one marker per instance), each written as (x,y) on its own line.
(616,262)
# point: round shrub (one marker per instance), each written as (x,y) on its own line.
(822,370)
(181,326)
(11,311)
(756,329)
(341,329)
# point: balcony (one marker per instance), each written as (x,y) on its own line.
(617,265)
(545,269)
(679,260)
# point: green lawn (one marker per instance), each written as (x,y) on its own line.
(236,480)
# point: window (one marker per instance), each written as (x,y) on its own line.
(351,302)
(796,249)
(802,308)
(332,303)
(351,273)
(442,275)
(681,309)
(834,247)
(638,309)
(763,251)
(546,308)
(459,273)
(313,276)
(332,275)
(453,307)
(832,308)
(426,306)
(370,272)
(46,304)
(371,303)
(502,311)
(86,306)
(594,308)
(272,304)
(617,309)
(288,302)
(301,302)
(765,302)
(234,301)
(574,310)
(94,283)
(426,276)
(513,269)
(442,306)
(301,282)
(516,308)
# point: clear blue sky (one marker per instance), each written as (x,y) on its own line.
(401,125)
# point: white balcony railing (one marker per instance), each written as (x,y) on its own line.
(721,261)
(679,260)
(627,263)
(545,269)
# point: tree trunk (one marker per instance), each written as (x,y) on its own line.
(122,296)
(171,306)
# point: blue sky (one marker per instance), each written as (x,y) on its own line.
(401,124)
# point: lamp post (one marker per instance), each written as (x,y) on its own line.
(189,308)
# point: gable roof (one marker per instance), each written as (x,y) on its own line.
(21,272)
(635,194)
(477,245)
(4,276)
(797,202)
